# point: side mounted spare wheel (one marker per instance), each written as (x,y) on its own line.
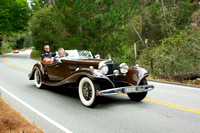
(38,79)
(87,92)
(138,96)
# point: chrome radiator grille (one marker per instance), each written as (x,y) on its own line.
(112,77)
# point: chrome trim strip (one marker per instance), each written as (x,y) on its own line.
(65,81)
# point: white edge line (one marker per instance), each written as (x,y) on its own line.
(179,86)
(37,112)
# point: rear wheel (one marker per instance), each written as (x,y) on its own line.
(37,77)
(87,92)
(138,96)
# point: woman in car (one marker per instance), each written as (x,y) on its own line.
(61,52)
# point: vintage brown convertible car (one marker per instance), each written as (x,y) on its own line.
(94,77)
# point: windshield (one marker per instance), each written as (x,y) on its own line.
(78,54)
(85,53)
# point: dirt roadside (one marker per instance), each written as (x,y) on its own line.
(11,121)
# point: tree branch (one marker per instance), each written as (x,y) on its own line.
(138,36)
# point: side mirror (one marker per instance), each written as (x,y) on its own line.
(57,55)
(97,56)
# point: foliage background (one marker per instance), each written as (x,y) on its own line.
(110,27)
(14,15)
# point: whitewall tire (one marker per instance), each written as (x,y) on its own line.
(87,92)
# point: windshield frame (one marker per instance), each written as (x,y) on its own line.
(78,54)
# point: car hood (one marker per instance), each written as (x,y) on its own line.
(84,62)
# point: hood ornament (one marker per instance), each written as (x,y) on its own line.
(109,56)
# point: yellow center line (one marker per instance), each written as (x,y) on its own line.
(175,106)
(146,99)
(4,60)
(172,104)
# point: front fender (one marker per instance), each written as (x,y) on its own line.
(93,74)
(135,75)
(40,67)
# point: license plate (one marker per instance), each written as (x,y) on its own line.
(128,90)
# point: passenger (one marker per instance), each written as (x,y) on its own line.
(61,52)
(47,56)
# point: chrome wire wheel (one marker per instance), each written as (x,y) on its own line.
(87,92)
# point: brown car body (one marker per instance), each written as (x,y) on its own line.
(70,71)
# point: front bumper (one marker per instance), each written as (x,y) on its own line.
(124,90)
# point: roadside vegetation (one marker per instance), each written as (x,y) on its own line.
(14,16)
(11,121)
(35,54)
(162,36)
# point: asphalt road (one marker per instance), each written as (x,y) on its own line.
(167,108)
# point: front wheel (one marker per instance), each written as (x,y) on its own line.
(138,96)
(87,92)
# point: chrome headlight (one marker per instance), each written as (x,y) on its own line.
(103,68)
(123,68)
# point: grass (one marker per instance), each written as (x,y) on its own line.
(12,121)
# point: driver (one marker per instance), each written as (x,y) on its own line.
(47,56)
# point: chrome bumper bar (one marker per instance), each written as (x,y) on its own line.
(124,90)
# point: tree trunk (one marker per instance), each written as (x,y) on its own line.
(163,9)
(143,19)
(135,50)
(1,39)
(197,3)
(49,2)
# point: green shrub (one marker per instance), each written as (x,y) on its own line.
(35,54)
(177,55)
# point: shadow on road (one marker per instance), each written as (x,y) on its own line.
(103,101)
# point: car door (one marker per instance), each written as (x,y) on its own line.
(54,71)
